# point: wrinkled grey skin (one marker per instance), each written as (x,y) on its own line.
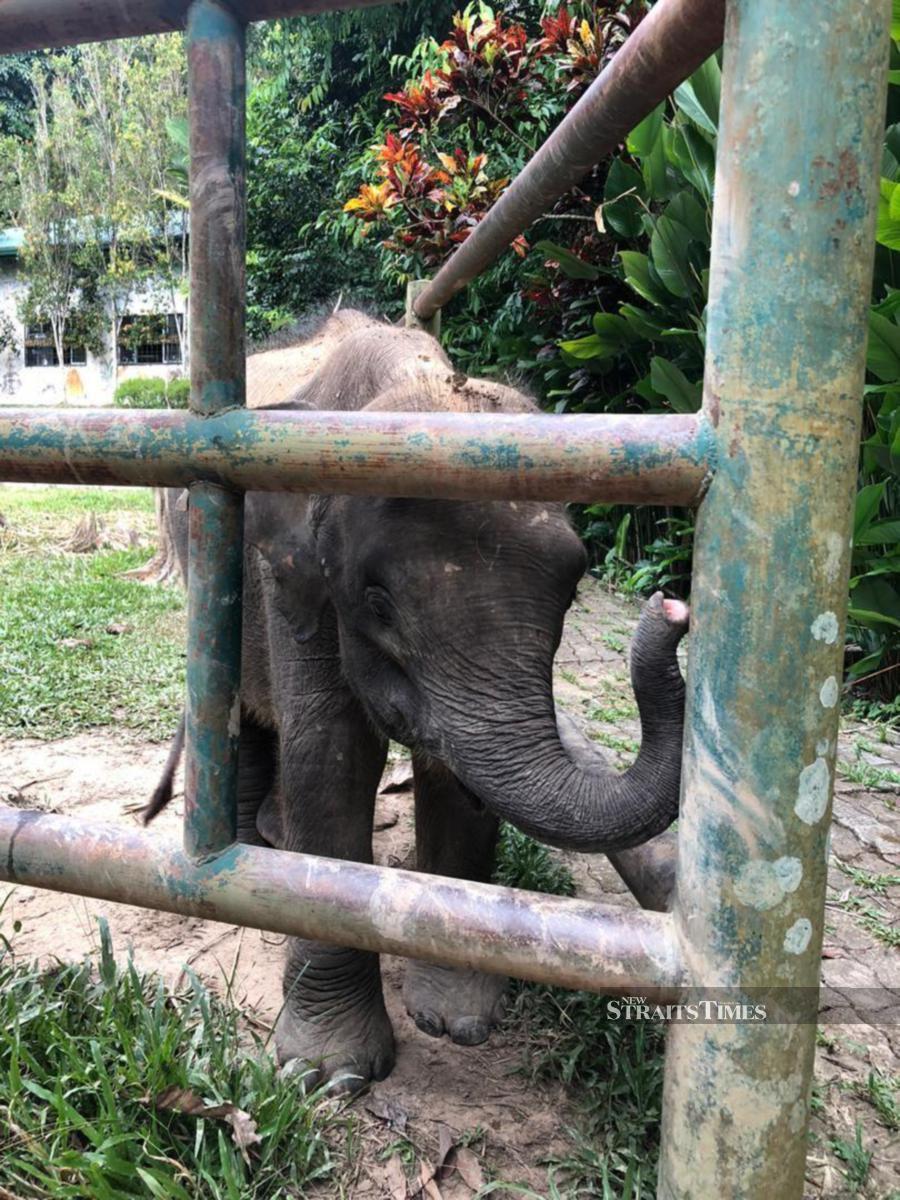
(434,623)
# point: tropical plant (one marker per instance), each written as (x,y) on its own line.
(607,308)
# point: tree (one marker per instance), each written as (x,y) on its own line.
(101,222)
(58,255)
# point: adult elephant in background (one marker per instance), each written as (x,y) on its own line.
(434,623)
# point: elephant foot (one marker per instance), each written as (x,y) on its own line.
(467,1005)
(344,1053)
(334,1029)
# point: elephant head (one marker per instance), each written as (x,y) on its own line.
(449,617)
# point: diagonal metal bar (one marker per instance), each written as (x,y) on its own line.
(667,47)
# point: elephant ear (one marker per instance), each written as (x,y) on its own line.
(278,527)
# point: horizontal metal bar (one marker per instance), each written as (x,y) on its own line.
(626,459)
(42,24)
(552,939)
(668,46)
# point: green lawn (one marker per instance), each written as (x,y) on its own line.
(82,647)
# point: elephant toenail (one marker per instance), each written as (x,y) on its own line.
(301,1072)
(346,1081)
(429,1022)
(469,1031)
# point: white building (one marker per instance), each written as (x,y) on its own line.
(30,373)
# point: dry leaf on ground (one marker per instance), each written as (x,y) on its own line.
(183,1100)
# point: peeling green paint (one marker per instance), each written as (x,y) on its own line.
(663,459)
(796,193)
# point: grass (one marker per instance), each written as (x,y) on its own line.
(874,920)
(613,1070)
(31,504)
(86,1059)
(870,881)
(855,1156)
(81,647)
(867,775)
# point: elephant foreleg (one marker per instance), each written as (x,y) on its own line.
(454,836)
(333,1023)
(257,765)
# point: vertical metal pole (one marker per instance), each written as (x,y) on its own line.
(802,116)
(432,325)
(217,111)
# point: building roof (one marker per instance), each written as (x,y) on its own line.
(11,242)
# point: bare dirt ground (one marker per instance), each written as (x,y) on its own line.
(478,1095)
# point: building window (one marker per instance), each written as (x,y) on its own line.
(40,350)
(150,340)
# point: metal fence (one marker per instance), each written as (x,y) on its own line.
(770,461)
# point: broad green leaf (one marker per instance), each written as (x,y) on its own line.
(653,171)
(883,353)
(588,347)
(611,336)
(641,322)
(671,382)
(668,247)
(621,210)
(875,603)
(638,276)
(687,210)
(895,20)
(887,229)
(692,153)
(644,137)
(868,501)
(698,97)
(570,264)
(613,327)
(645,389)
(881,533)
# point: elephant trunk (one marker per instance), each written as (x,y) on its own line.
(558,788)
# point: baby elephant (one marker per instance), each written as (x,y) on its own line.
(434,623)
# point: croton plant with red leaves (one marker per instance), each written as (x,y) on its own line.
(431,184)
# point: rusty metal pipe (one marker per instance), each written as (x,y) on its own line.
(796,204)
(669,44)
(553,939)
(628,459)
(216,52)
(42,24)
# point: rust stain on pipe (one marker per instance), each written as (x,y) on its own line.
(552,939)
(629,459)
(40,24)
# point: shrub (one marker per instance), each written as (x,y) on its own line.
(153,393)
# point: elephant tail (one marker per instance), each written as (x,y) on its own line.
(163,793)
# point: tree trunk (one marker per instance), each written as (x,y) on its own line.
(164,566)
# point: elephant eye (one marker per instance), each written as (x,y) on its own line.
(379,603)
